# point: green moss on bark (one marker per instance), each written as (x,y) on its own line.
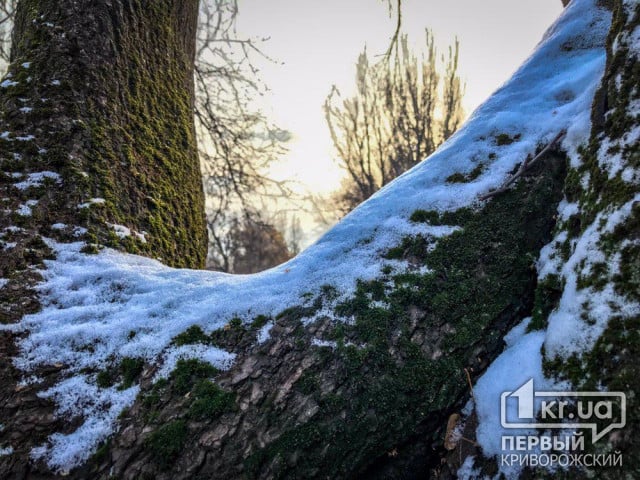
(400,361)
(611,364)
(111,93)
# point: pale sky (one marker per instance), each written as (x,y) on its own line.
(318,42)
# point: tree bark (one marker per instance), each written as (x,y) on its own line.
(98,145)
(109,85)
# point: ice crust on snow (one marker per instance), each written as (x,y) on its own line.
(99,300)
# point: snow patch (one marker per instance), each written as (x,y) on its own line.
(92,201)
(36,179)
(316,342)
(520,362)
(6,451)
(264,333)
(567,332)
(24,209)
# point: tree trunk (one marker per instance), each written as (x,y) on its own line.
(103,98)
(97,144)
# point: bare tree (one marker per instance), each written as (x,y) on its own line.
(237,143)
(399,115)
(250,244)
(7,12)
(397,6)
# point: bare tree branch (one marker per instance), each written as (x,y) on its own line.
(7,12)
(525,166)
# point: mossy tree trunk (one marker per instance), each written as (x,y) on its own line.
(101,94)
(97,144)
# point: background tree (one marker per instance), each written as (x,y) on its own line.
(401,112)
(237,143)
(7,11)
(254,245)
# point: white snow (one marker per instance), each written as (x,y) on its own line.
(8,83)
(567,332)
(521,361)
(91,201)
(25,138)
(36,179)
(316,342)
(120,230)
(123,231)
(215,356)
(98,300)
(24,209)
(101,407)
(566,210)
(264,333)
(467,471)
(5,451)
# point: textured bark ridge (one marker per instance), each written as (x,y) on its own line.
(97,144)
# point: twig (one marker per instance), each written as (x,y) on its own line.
(472,442)
(525,166)
(470,386)
(396,33)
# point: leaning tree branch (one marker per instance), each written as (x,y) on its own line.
(396,33)
(525,166)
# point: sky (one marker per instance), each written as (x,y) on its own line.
(315,44)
